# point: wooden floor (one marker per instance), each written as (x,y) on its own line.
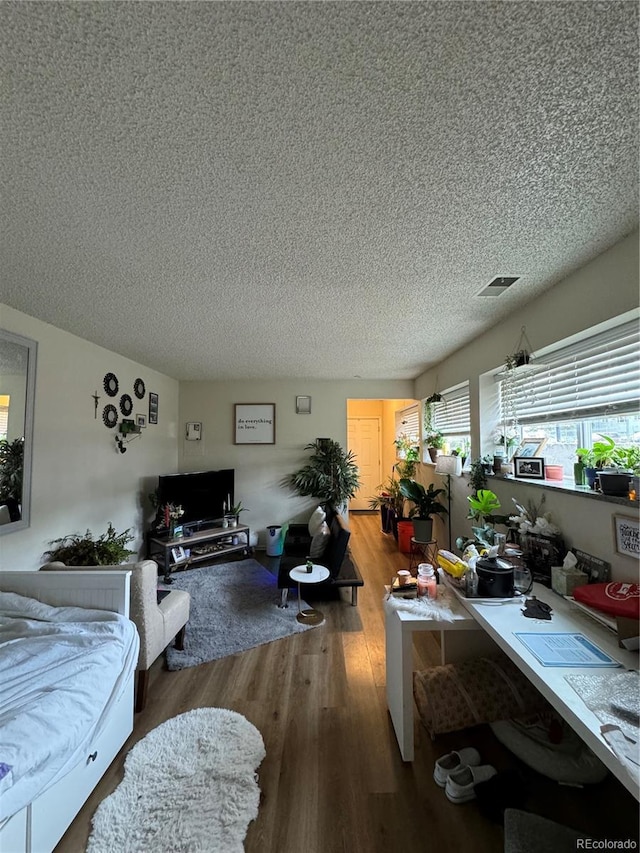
(332,779)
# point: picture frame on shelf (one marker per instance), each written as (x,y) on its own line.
(254,423)
(529,447)
(153,407)
(627,535)
(178,554)
(528,467)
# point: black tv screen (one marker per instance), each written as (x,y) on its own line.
(200,494)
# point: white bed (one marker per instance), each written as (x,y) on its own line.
(68,654)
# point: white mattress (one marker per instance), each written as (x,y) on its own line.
(61,670)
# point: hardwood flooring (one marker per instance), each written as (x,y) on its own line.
(332,779)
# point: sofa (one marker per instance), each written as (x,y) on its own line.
(158,622)
(306,540)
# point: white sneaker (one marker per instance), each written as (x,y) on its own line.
(466,757)
(460,784)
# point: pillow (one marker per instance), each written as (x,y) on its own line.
(316,520)
(320,541)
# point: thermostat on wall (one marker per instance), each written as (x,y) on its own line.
(194,431)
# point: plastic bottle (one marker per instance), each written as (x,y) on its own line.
(426,581)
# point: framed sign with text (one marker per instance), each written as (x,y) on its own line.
(255,423)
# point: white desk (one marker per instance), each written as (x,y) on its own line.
(500,620)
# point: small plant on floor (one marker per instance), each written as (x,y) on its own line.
(109,549)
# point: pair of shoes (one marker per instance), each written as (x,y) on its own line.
(466,757)
(461,783)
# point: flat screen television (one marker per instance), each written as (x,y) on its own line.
(201,494)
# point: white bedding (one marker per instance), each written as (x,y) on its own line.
(61,670)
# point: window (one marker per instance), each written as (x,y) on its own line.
(453,419)
(582,391)
(408,423)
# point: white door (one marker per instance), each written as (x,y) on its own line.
(363,438)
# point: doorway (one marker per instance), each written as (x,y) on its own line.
(363,439)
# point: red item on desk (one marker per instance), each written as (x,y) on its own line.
(617,599)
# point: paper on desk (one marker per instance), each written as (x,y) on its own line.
(565,649)
(624,748)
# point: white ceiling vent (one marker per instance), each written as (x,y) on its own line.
(498,286)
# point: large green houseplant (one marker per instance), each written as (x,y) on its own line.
(331,474)
(109,549)
(425,505)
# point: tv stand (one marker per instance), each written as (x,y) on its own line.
(204,545)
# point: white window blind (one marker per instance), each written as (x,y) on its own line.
(595,377)
(454,418)
(4,421)
(408,422)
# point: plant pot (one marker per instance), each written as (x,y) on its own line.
(386,519)
(554,472)
(423,529)
(615,484)
(590,475)
(433,453)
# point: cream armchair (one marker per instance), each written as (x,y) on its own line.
(157,623)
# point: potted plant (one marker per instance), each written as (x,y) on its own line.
(408,455)
(517,359)
(434,441)
(11,471)
(109,549)
(390,502)
(482,506)
(233,514)
(425,505)
(331,475)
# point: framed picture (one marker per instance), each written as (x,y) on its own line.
(255,423)
(153,408)
(627,535)
(141,421)
(530,447)
(178,554)
(529,467)
(303,405)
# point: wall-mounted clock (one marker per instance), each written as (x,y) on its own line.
(110,383)
(126,404)
(139,389)
(110,416)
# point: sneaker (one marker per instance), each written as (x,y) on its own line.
(467,757)
(460,784)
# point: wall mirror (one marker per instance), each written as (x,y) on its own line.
(17,394)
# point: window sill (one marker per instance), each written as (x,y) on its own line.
(567,487)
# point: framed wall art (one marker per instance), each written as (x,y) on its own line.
(141,421)
(530,447)
(627,535)
(153,408)
(528,467)
(303,405)
(254,423)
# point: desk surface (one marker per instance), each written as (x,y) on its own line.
(502,619)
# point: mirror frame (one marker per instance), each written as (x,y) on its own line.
(30,398)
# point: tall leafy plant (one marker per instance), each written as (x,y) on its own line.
(331,474)
(11,469)
(109,549)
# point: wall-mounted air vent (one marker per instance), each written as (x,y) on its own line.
(498,286)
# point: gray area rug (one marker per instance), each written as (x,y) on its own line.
(234,607)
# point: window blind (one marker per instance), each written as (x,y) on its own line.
(599,376)
(454,418)
(408,422)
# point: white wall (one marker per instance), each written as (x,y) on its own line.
(261,468)
(79,481)
(605,288)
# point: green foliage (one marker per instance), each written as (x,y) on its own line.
(478,474)
(434,439)
(424,500)
(11,469)
(331,475)
(236,509)
(482,504)
(389,495)
(107,550)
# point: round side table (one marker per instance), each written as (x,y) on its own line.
(300,575)
(423,552)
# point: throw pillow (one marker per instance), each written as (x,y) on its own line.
(316,521)
(320,541)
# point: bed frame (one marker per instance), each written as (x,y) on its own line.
(39,826)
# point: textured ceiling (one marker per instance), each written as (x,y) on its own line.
(253,190)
